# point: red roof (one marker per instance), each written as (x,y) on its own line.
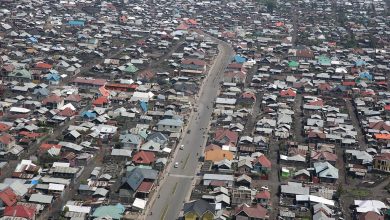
(324,87)
(217,183)
(113,86)
(263,195)
(20,211)
(52,99)
(263,160)
(382,136)
(383,156)
(6,139)
(45,147)
(73,98)
(144,157)
(100,101)
(349,83)
(90,81)
(182,26)
(145,187)
(192,21)
(249,95)
(42,65)
(221,135)
(323,155)
(67,112)
(387,107)
(235,66)
(8,197)
(4,127)
(370,216)
(33,135)
(257,211)
(288,93)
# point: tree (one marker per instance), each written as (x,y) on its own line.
(271,5)
(339,191)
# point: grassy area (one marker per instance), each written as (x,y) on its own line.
(358,193)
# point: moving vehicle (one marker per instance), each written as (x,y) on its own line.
(181,147)
(176,164)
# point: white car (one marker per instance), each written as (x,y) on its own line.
(182,147)
(176,164)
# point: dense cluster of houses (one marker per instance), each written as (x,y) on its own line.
(307,95)
(95,96)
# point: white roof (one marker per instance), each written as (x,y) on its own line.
(218,177)
(69,105)
(167,150)
(315,199)
(56,187)
(19,110)
(61,164)
(139,203)
(79,209)
(226,101)
(369,205)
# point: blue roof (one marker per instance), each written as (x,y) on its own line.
(360,62)
(32,40)
(365,75)
(88,114)
(144,106)
(53,77)
(76,23)
(239,59)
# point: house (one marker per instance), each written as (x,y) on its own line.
(20,211)
(198,210)
(238,77)
(262,164)
(292,189)
(382,162)
(41,199)
(132,141)
(226,137)
(7,142)
(22,75)
(326,172)
(170,125)
(193,66)
(370,216)
(321,156)
(144,157)
(114,212)
(8,197)
(137,180)
(263,197)
(216,155)
(101,101)
(302,175)
(218,180)
(53,102)
(256,212)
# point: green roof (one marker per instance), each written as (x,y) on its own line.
(21,73)
(293,64)
(113,211)
(130,69)
(324,60)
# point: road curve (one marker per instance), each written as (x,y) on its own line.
(177,182)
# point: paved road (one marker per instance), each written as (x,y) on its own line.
(177,184)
